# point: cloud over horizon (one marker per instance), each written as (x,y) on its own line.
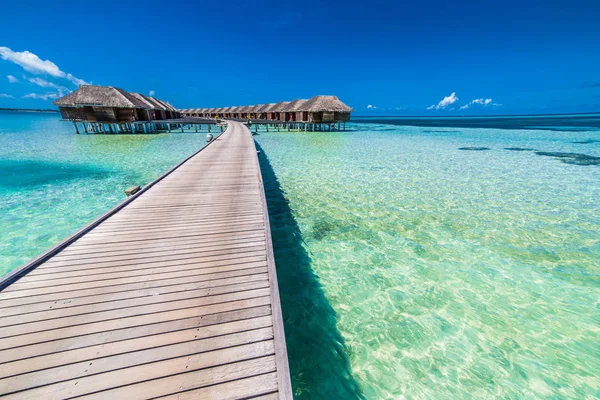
(44,83)
(40,96)
(6,96)
(12,79)
(445,102)
(483,102)
(35,65)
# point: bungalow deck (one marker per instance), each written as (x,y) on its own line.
(172,294)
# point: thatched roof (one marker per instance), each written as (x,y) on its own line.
(294,106)
(162,103)
(227,109)
(268,107)
(105,96)
(255,108)
(279,106)
(324,103)
(169,106)
(245,109)
(144,100)
(264,108)
(157,105)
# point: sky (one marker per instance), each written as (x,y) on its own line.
(429,57)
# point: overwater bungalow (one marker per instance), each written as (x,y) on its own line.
(252,111)
(227,112)
(244,112)
(102,104)
(146,114)
(160,110)
(317,113)
(326,109)
(169,111)
(292,111)
(276,112)
(233,112)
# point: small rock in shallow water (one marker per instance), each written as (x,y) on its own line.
(518,149)
(571,158)
(474,148)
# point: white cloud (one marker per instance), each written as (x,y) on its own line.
(151,93)
(371,106)
(44,83)
(445,102)
(12,79)
(41,96)
(482,101)
(32,63)
(76,81)
(6,96)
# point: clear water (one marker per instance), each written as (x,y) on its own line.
(53,181)
(408,268)
(411,269)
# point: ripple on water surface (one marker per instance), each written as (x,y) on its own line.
(446,273)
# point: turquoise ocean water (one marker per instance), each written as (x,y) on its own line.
(53,182)
(417,260)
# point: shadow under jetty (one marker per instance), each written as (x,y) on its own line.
(319,364)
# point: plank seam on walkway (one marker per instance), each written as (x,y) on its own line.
(173,292)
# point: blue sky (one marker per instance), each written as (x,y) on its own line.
(382,58)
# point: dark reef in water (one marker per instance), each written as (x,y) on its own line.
(19,174)
(571,158)
(518,149)
(588,141)
(474,148)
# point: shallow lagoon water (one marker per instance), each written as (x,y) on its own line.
(408,268)
(53,181)
(441,273)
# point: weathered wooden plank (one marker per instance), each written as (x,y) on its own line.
(139,320)
(188,306)
(36,288)
(104,364)
(158,292)
(68,357)
(125,287)
(60,345)
(121,302)
(230,359)
(174,293)
(244,388)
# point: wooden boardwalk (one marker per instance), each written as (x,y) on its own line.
(171,295)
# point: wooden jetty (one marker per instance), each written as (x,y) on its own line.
(172,294)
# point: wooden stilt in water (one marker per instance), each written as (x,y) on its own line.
(76,128)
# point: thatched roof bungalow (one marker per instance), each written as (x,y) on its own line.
(276,112)
(169,111)
(326,109)
(227,112)
(292,113)
(245,111)
(160,110)
(260,111)
(253,109)
(101,103)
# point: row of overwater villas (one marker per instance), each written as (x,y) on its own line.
(92,103)
(318,109)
